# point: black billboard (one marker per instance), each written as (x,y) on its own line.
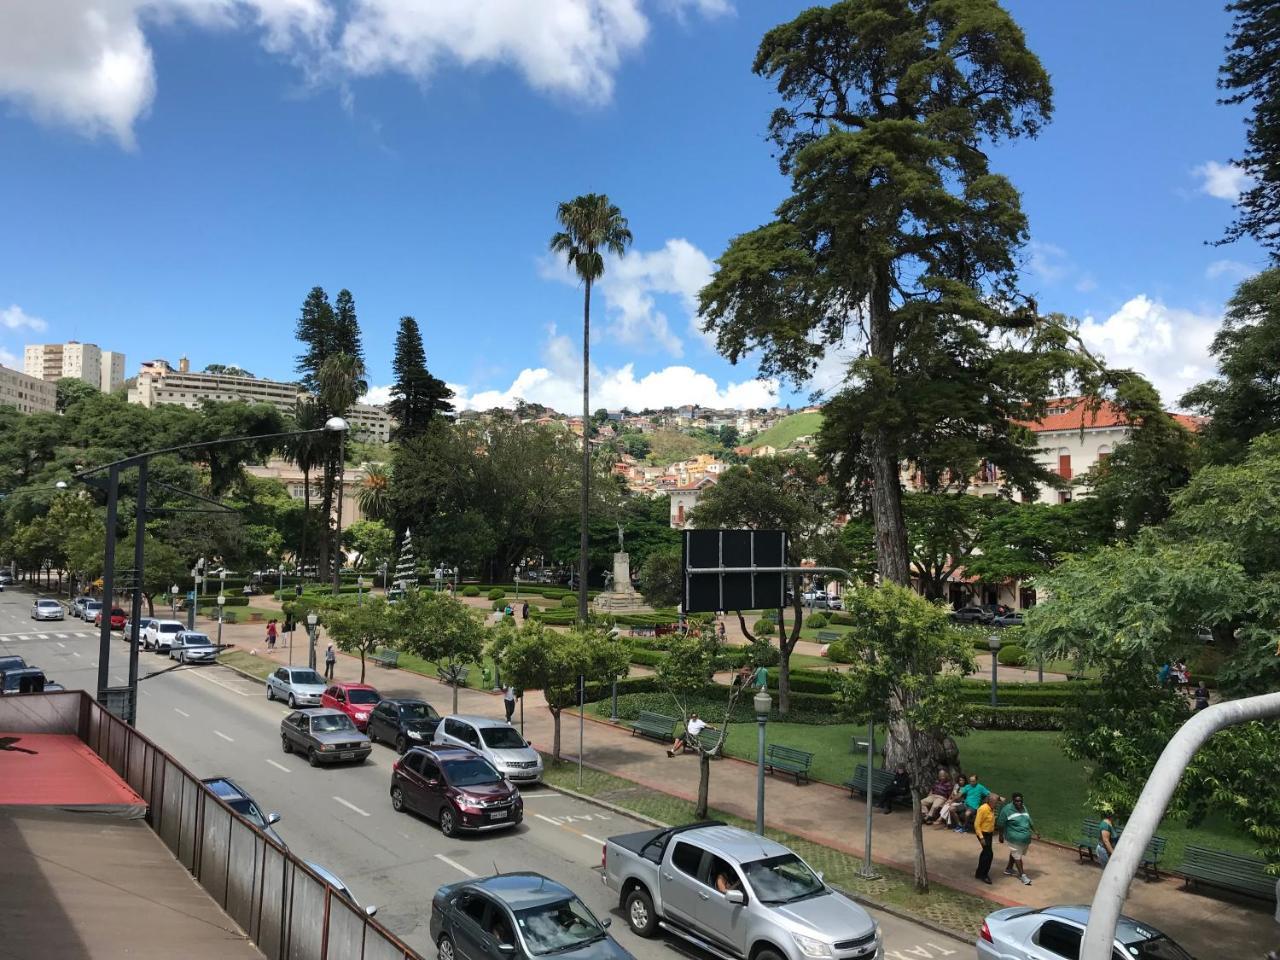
(734,570)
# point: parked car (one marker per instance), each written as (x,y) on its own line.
(340,888)
(323,736)
(1024,933)
(741,894)
(159,637)
(46,609)
(12,663)
(402,723)
(6,578)
(996,609)
(143,624)
(1011,619)
(518,915)
(89,610)
(117,615)
(496,740)
(230,793)
(971,614)
(22,680)
(77,605)
(356,700)
(192,647)
(457,788)
(297,686)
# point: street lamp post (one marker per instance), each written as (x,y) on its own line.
(173,600)
(383,571)
(222,602)
(763,704)
(993,642)
(517,583)
(312,620)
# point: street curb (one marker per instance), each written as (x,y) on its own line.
(855,897)
(243,673)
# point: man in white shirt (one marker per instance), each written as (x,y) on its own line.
(692,727)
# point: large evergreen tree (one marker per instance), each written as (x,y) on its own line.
(314,331)
(416,396)
(1251,75)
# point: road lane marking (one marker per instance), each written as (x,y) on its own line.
(351,806)
(224,736)
(75,653)
(557,823)
(226,686)
(457,866)
(42,636)
(182,712)
(594,839)
(278,766)
(61,644)
(554,823)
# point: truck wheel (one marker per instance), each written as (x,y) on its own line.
(766,954)
(641,917)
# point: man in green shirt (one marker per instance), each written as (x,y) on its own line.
(1016,828)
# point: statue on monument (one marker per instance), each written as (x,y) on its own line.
(621,548)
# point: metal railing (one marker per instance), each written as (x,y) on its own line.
(284,908)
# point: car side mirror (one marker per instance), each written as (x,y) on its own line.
(506,949)
(606,922)
(370,911)
(735,896)
(433,783)
(273,818)
(821,876)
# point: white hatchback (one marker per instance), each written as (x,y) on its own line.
(160,635)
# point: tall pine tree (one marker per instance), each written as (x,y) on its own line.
(416,396)
(314,331)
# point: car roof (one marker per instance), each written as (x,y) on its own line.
(328,876)
(224,788)
(740,845)
(520,891)
(47,600)
(442,752)
(323,712)
(400,701)
(169,623)
(1128,930)
(477,721)
(303,669)
(352,685)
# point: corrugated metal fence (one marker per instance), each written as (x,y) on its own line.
(288,911)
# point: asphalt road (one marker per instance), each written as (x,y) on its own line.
(217,722)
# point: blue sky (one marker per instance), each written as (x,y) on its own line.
(178,173)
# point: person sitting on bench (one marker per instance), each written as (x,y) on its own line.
(900,789)
(693,726)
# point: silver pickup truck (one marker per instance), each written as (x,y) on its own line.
(734,894)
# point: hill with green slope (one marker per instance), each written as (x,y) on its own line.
(783,433)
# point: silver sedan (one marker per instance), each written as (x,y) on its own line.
(1023,933)
(298,686)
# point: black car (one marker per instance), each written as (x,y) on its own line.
(403,723)
(457,788)
(971,614)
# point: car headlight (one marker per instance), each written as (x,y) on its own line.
(327,746)
(415,734)
(811,947)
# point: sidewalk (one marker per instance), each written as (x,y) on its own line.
(1207,926)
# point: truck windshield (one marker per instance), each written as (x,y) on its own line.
(782,879)
(558,927)
(501,738)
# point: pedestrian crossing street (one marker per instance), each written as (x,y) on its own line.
(47,635)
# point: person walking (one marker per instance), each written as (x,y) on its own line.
(1106,839)
(271,634)
(1201,697)
(984,825)
(1016,828)
(524,610)
(509,701)
(330,660)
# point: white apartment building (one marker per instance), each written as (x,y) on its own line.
(159,383)
(102,369)
(27,394)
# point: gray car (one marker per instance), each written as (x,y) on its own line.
(333,880)
(234,796)
(1023,933)
(90,609)
(495,740)
(192,647)
(323,736)
(297,686)
(46,609)
(517,915)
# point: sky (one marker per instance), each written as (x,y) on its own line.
(175,175)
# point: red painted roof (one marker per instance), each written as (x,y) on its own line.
(1072,413)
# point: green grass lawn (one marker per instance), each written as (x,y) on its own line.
(243,660)
(1031,762)
(782,433)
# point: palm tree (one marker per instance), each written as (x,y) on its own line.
(592,226)
(305,452)
(375,492)
(342,382)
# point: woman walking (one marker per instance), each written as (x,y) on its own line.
(271,634)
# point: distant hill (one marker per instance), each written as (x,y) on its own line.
(668,446)
(786,430)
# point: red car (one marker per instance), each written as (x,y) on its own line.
(118,617)
(356,700)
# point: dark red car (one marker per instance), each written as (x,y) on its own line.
(356,700)
(118,617)
(457,788)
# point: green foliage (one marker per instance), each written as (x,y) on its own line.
(1015,717)
(363,628)
(416,396)
(497,593)
(471,591)
(762,653)
(438,628)
(569,601)
(373,541)
(816,620)
(1012,655)
(1027,539)
(687,666)
(787,430)
(72,390)
(661,579)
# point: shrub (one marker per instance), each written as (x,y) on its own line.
(471,590)
(764,627)
(841,620)
(1016,718)
(1012,656)
(497,593)
(809,681)
(816,620)
(842,651)
(762,653)
(710,706)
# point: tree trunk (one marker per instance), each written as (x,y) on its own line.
(362,668)
(555,737)
(704,785)
(151,606)
(886,485)
(584,498)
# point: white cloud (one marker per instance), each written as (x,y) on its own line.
(1226,181)
(13,317)
(1168,345)
(8,359)
(88,65)
(1232,269)
(380,395)
(1048,262)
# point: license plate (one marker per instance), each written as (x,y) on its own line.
(499,814)
(349,755)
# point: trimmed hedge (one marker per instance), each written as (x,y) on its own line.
(710,706)
(1016,718)
(842,620)
(816,620)
(497,593)
(1012,656)
(471,591)
(569,601)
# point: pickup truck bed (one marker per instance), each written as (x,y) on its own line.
(636,842)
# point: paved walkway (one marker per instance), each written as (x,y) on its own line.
(1208,926)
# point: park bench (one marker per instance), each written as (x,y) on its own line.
(705,741)
(788,760)
(828,636)
(1089,837)
(386,658)
(454,675)
(1231,871)
(654,725)
(881,781)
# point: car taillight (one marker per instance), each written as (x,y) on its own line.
(986,932)
(395,766)
(604,857)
